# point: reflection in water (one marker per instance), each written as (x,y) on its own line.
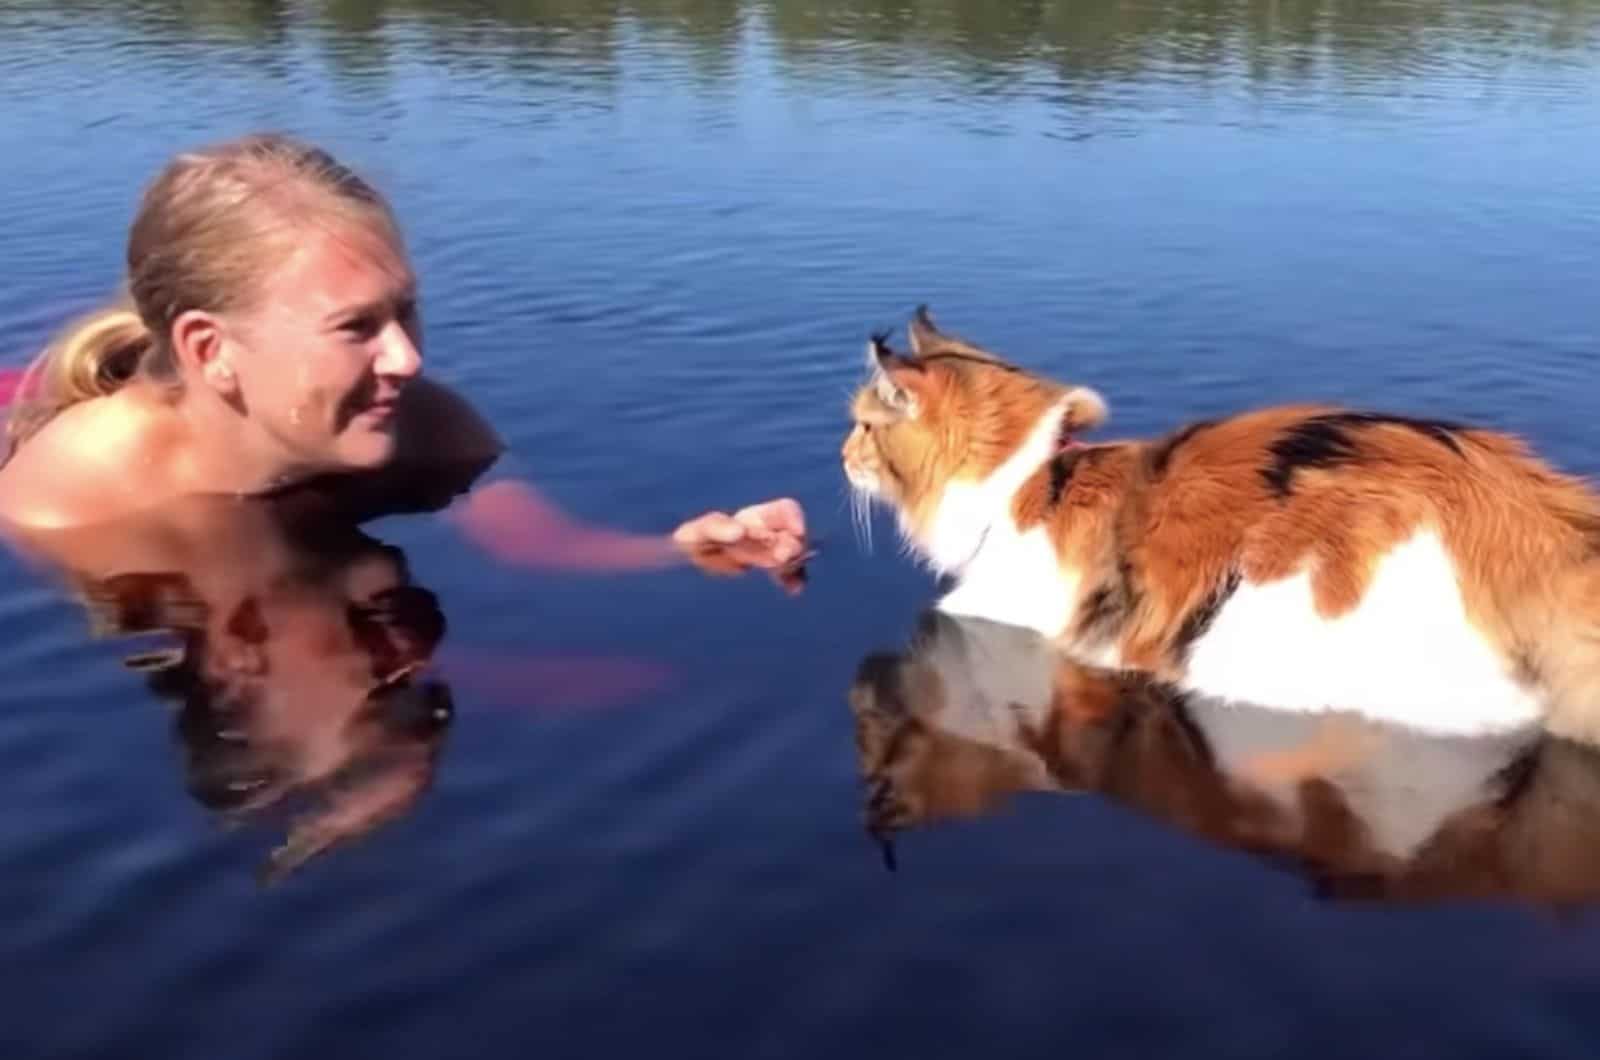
(300,693)
(976,713)
(1096,42)
(303,662)
(293,647)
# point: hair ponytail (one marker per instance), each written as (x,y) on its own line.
(95,355)
(92,357)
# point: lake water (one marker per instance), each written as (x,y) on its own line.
(653,237)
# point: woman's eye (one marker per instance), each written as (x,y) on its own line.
(359,327)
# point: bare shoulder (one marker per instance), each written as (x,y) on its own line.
(92,462)
(441,426)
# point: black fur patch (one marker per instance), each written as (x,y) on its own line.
(1162,455)
(1108,607)
(1199,620)
(1062,465)
(1100,608)
(1441,431)
(1329,439)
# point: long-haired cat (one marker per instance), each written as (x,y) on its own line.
(1300,557)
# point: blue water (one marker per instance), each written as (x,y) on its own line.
(652,239)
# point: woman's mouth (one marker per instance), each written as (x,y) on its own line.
(380,412)
(372,404)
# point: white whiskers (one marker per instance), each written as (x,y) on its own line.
(861,515)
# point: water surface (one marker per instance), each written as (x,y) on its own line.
(653,237)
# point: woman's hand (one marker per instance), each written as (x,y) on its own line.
(770,536)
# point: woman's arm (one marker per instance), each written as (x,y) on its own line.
(516,525)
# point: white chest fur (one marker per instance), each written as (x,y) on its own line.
(1006,574)
(1408,653)
(1016,579)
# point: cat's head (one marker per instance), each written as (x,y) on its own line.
(947,411)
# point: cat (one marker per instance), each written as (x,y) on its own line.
(1301,557)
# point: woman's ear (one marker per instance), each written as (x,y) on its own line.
(202,346)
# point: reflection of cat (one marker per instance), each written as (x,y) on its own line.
(976,712)
(1293,556)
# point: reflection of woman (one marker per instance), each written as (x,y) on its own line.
(298,650)
(271,334)
(976,713)
(295,685)
(295,654)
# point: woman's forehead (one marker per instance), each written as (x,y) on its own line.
(330,268)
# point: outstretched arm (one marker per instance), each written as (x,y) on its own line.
(516,525)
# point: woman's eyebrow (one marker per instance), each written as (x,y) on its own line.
(400,296)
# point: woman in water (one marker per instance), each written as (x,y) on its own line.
(269,338)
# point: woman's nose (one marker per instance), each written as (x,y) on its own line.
(398,356)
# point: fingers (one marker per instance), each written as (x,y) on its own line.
(770,536)
(716,528)
(783,515)
(718,561)
(771,522)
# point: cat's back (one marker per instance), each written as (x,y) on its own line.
(1280,450)
(1350,484)
(1305,556)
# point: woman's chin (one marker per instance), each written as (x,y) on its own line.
(365,450)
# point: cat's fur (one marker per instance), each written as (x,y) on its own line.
(1300,557)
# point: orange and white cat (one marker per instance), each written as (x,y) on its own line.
(1298,557)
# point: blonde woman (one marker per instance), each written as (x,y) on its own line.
(269,337)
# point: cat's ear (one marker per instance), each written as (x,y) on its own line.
(923,333)
(895,378)
(1085,410)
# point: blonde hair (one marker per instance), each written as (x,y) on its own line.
(207,228)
